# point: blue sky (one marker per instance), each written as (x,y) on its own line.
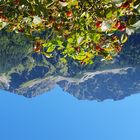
(59,116)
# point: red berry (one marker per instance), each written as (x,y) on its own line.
(114,37)
(118,49)
(16,2)
(62,0)
(118,24)
(37,46)
(31,13)
(1,11)
(82,62)
(3,18)
(21,30)
(36,49)
(78,49)
(52,20)
(98,48)
(122,27)
(69,14)
(58,27)
(98,24)
(125,5)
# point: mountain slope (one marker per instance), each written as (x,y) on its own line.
(34,74)
(115,84)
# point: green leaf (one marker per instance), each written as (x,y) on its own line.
(61,47)
(96,37)
(136,2)
(109,13)
(51,48)
(70,40)
(124,38)
(138,9)
(80,57)
(70,50)
(59,42)
(133,19)
(48,55)
(83,14)
(63,60)
(44,45)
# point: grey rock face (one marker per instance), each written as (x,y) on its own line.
(115,84)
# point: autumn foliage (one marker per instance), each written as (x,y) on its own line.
(78,29)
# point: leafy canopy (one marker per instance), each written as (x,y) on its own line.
(78,29)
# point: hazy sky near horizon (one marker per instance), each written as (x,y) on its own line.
(59,116)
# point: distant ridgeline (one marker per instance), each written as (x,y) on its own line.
(30,74)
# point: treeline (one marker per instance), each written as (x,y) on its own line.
(13,48)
